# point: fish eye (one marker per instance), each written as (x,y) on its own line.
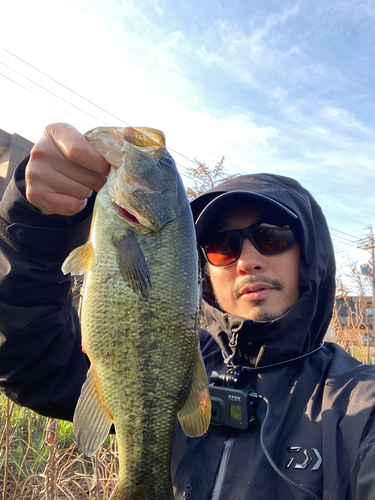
(167,161)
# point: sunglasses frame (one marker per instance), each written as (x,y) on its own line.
(247,231)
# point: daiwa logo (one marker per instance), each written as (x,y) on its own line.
(310,456)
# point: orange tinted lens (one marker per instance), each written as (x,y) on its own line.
(272,239)
(223,248)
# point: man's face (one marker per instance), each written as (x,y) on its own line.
(257,286)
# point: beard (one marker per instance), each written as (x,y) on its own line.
(263,315)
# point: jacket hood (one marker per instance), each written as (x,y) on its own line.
(302,329)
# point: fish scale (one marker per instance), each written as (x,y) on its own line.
(140,320)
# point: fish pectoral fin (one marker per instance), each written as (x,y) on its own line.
(91,421)
(132,264)
(195,415)
(79,260)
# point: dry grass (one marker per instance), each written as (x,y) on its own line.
(358,324)
(39,460)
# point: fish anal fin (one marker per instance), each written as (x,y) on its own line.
(79,260)
(91,421)
(195,415)
(132,264)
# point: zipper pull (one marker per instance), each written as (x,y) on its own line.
(189,481)
(232,345)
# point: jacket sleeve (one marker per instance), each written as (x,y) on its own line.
(41,362)
(363,468)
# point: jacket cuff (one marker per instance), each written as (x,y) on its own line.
(27,230)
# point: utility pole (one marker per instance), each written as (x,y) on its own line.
(369,245)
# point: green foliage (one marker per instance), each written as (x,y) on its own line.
(66,436)
(24,431)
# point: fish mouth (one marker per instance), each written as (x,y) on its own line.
(124,214)
(121,205)
(135,219)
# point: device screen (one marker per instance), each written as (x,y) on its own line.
(235,412)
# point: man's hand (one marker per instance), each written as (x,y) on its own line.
(63,171)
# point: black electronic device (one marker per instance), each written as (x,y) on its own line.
(232,404)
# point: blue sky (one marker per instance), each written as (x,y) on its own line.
(286,87)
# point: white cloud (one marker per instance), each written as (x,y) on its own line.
(286,104)
(251,52)
(274,20)
(344,119)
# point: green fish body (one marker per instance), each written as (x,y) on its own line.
(140,314)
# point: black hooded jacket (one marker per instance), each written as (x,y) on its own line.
(313,432)
(319,432)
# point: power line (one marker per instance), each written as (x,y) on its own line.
(346,234)
(73,122)
(181,166)
(32,92)
(344,240)
(84,98)
(68,102)
(112,115)
(79,109)
(49,91)
(346,218)
(341,244)
(62,85)
(193,161)
(342,250)
(64,100)
(16,83)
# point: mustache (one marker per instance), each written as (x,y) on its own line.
(252,280)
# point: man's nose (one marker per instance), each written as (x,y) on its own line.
(250,259)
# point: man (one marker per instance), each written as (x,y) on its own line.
(269,283)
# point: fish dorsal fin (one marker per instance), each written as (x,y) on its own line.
(91,421)
(79,260)
(195,415)
(144,137)
(132,263)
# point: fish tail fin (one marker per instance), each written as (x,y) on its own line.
(91,421)
(195,415)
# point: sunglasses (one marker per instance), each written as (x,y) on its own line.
(225,248)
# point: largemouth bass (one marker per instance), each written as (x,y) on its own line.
(140,314)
